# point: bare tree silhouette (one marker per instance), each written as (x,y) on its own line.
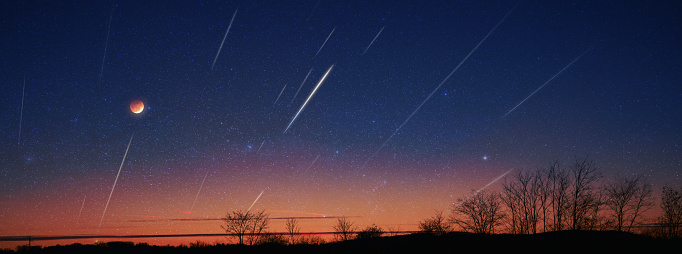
(558,182)
(536,200)
(525,197)
(480,213)
(293,229)
(671,219)
(344,229)
(246,226)
(584,196)
(436,225)
(628,198)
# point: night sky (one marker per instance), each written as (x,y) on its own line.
(391,135)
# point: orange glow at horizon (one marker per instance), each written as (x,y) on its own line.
(395,202)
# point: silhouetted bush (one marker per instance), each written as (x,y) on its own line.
(311,240)
(272,240)
(120,245)
(436,225)
(26,248)
(199,244)
(370,232)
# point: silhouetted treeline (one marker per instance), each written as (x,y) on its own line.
(577,197)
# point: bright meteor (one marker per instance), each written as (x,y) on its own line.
(116,180)
(224,37)
(309,96)
(254,202)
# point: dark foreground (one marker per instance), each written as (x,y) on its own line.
(554,242)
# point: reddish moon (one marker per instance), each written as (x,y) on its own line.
(136,106)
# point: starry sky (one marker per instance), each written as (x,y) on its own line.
(425,102)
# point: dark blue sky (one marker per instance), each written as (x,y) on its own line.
(620,103)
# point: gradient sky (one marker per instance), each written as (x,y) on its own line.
(360,147)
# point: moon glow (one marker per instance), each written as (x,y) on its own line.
(136,106)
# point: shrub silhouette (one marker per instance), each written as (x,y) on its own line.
(370,232)
(436,225)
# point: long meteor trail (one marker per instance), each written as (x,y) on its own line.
(116,180)
(261,146)
(21,111)
(547,82)
(81,211)
(305,180)
(375,38)
(254,202)
(312,163)
(224,37)
(197,196)
(309,96)
(325,42)
(106,45)
(441,83)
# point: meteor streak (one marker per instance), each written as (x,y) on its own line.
(490,183)
(21,111)
(325,42)
(441,83)
(312,163)
(197,196)
(305,180)
(313,11)
(116,180)
(375,38)
(254,202)
(106,45)
(79,213)
(224,37)
(280,94)
(547,82)
(309,96)
(261,146)
(487,185)
(299,87)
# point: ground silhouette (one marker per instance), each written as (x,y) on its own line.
(554,242)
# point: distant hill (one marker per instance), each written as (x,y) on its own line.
(458,242)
